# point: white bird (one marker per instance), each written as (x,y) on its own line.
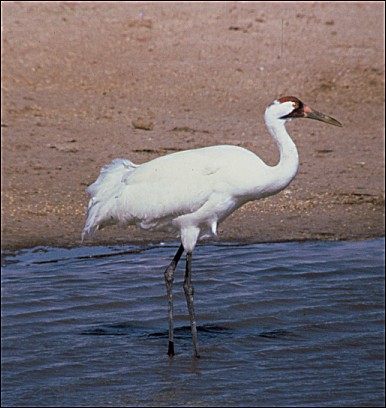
(191,192)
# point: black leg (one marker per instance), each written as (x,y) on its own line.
(189,291)
(169,287)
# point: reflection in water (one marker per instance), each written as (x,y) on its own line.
(279,325)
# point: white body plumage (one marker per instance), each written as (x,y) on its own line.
(190,192)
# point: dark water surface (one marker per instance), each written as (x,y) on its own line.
(290,324)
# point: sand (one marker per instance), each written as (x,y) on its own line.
(84,83)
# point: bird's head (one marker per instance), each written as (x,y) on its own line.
(290,107)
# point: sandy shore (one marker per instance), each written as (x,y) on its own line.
(81,79)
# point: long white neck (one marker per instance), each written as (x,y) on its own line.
(285,171)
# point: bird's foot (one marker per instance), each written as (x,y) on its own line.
(171,349)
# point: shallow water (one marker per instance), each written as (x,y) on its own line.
(288,324)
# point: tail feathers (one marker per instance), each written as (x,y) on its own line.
(101,209)
(92,223)
(110,176)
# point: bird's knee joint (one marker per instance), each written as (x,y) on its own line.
(189,289)
(169,275)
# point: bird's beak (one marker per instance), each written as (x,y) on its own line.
(313,114)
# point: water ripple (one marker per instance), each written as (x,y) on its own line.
(288,324)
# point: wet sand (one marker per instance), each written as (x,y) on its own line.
(84,83)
